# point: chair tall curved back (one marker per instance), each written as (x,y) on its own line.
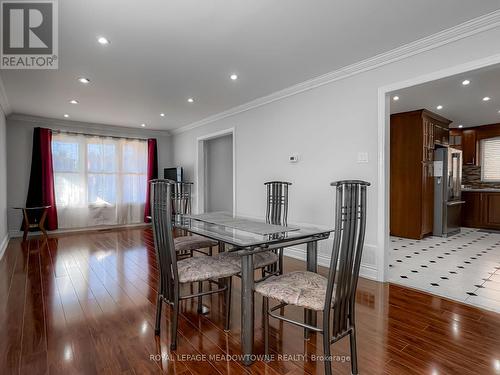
(161,215)
(345,262)
(277,202)
(276,213)
(181,197)
(173,271)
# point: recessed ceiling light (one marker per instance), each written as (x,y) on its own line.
(439,107)
(73,101)
(162,114)
(486,99)
(395,98)
(143,125)
(102,40)
(234,77)
(460,126)
(66,115)
(83,80)
(190,100)
(465,82)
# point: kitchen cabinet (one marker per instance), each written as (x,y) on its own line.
(468,140)
(481,209)
(456,138)
(471,210)
(414,136)
(469,147)
(441,135)
(492,206)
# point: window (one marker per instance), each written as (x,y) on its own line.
(99,180)
(490,159)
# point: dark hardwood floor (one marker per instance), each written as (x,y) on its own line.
(85,304)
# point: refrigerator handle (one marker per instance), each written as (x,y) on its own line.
(454,203)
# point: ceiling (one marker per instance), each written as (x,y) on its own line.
(463,105)
(163,52)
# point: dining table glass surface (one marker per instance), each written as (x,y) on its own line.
(243,232)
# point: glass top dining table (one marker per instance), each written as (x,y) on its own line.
(246,233)
(251,236)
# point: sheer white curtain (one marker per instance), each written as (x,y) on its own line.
(99,180)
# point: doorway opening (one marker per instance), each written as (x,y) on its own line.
(439,139)
(215,175)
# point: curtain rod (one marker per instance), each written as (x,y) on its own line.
(98,135)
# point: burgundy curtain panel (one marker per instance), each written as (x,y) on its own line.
(41,187)
(152,174)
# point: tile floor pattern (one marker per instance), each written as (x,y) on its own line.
(464,267)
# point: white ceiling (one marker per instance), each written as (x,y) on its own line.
(463,105)
(164,51)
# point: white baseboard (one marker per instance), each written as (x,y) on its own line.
(366,271)
(3,245)
(19,233)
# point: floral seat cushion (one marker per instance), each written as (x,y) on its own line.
(205,268)
(187,243)
(260,260)
(300,288)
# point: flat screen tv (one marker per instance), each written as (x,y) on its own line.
(174,174)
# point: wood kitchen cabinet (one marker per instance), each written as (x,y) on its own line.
(469,147)
(414,136)
(481,209)
(456,138)
(492,213)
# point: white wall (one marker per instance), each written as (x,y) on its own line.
(219,174)
(327,126)
(19,148)
(3,184)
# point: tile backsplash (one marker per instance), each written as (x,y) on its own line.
(471,176)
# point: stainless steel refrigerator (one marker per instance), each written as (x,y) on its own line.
(447,191)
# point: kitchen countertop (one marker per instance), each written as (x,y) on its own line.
(483,190)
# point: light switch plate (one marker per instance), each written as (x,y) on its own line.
(362,157)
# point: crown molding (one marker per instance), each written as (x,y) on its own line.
(86,126)
(461,31)
(4,102)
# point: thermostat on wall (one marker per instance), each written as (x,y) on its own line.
(293,158)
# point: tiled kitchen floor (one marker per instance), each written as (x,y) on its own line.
(464,267)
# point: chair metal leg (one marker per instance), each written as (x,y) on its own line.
(168,291)
(227,298)
(307,320)
(200,298)
(159,302)
(326,348)
(280,261)
(265,307)
(310,316)
(354,353)
(247,308)
(175,319)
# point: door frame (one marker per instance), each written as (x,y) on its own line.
(383,240)
(201,164)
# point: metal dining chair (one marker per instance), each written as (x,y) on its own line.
(333,295)
(270,262)
(187,244)
(276,213)
(181,204)
(174,272)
